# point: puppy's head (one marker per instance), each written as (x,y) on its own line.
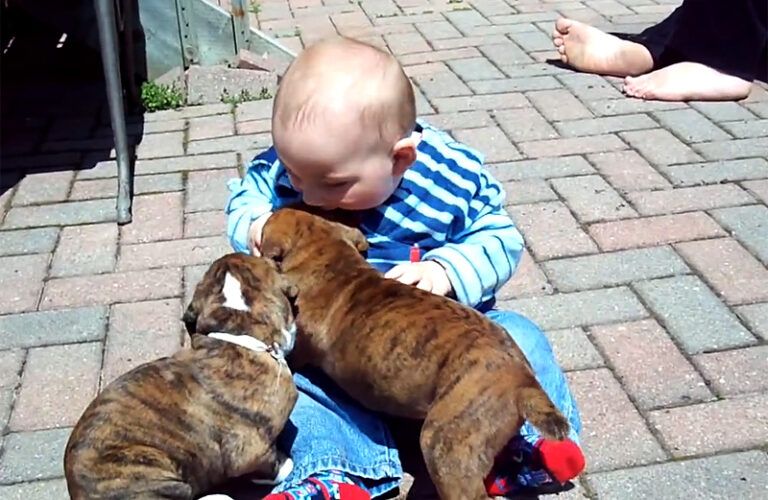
(290,228)
(243,295)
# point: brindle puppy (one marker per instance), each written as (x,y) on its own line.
(408,353)
(177,426)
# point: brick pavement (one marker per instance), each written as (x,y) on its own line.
(646,225)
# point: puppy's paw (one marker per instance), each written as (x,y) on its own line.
(552,425)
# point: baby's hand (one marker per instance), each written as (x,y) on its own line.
(427,275)
(254,234)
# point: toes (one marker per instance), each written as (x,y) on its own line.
(563,25)
(558,41)
(561,49)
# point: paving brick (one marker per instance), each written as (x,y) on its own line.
(724,111)
(185,252)
(717,172)
(670,201)
(528,280)
(614,433)
(736,372)
(155,217)
(530,191)
(649,365)
(628,171)
(406,43)
(747,129)
(11,362)
(734,274)
(253,126)
(43,328)
(499,86)
(558,104)
(652,231)
(739,475)
(28,241)
(89,249)
(33,455)
(188,112)
(693,315)
(111,288)
(493,8)
(460,119)
(6,405)
(205,224)
(592,199)
(589,87)
(47,187)
(437,30)
(689,430)
(573,349)
(531,41)
(192,276)
(51,488)
(479,102)
(139,333)
(547,15)
(441,85)
(439,55)
(207,190)
(611,269)
(469,41)
(57,384)
(604,125)
(524,124)
(426,69)
(551,231)
(238,143)
(749,225)
(660,147)
(573,145)
(544,168)
(755,316)
(531,69)
(758,189)
(690,126)
(476,68)
(608,7)
(736,148)
(592,307)
(423,106)
(161,145)
(495,146)
(463,19)
(254,110)
(624,106)
(22,278)
(208,127)
(165,165)
(61,214)
(143,184)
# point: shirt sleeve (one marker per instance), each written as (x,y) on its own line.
(251,197)
(483,254)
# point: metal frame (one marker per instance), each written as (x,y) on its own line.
(110,60)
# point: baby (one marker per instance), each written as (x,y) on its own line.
(346,136)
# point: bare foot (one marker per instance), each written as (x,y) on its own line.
(588,49)
(687,81)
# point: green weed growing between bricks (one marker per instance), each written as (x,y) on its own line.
(254,7)
(159,97)
(245,96)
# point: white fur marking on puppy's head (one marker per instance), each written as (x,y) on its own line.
(233,294)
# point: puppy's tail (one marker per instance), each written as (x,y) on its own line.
(536,407)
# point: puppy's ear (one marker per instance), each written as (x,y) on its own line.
(190,318)
(354,237)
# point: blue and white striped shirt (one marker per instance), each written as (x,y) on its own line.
(446,202)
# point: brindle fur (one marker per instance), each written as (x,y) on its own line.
(177,426)
(408,353)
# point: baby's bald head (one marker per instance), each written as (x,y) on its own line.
(348,83)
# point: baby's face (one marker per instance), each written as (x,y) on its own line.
(337,172)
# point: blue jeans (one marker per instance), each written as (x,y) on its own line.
(328,430)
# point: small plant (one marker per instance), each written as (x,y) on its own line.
(245,96)
(254,7)
(158,96)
